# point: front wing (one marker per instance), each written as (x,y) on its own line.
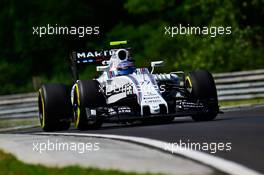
(126,113)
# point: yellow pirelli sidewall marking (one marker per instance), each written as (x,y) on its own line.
(189,80)
(43,109)
(78,106)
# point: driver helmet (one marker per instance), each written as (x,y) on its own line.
(125,68)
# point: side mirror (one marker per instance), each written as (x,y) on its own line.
(156,64)
(101,68)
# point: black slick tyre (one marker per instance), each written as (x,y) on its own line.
(55,110)
(203,89)
(87,95)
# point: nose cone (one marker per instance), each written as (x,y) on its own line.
(154,109)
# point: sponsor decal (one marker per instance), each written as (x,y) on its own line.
(90,54)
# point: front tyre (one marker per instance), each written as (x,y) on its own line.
(202,88)
(87,95)
(54,107)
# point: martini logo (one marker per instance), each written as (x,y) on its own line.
(106,53)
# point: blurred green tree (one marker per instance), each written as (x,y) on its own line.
(23,55)
(241,50)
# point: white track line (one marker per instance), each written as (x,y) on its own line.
(17,128)
(241,107)
(221,164)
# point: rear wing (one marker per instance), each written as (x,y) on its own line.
(79,58)
(82,57)
(91,57)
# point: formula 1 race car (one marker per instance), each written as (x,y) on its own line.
(124,93)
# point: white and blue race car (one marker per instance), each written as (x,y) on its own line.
(124,93)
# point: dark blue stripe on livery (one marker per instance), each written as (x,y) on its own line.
(137,86)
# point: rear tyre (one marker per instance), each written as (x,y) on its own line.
(202,86)
(55,111)
(87,95)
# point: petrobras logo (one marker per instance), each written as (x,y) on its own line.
(94,54)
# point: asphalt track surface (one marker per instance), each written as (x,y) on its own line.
(243,128)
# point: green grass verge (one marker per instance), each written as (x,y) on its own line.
(7,123)
(9,165)
(242,102)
